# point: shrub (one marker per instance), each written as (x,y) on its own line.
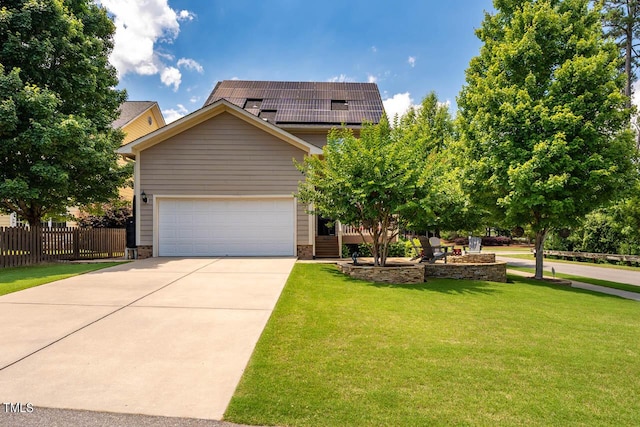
(106,216)
(496,241)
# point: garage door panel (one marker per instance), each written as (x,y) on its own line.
(226,227)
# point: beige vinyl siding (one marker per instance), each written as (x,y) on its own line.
(5,220)
(222,156)
(318,138)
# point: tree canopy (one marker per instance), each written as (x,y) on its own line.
(57,103)
(362,182)
(542,116)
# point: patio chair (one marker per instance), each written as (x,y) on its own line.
(428,253)
(475,245)
(416,248)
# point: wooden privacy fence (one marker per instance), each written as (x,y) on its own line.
(628,259)
(24,246)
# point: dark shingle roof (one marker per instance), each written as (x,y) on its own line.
(291,104)
(129,110)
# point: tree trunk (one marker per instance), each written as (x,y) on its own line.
(539,248)
(628,57)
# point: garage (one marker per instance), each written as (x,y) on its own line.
(226,227)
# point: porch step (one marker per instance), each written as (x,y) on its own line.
(327,247)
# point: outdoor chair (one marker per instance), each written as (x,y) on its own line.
(416,248)
(428,253)
(475,245)
(436,245)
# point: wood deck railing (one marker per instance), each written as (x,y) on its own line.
(24,246)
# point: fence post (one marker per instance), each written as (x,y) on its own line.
(76,243)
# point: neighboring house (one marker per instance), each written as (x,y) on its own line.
(221,180)
(137,118)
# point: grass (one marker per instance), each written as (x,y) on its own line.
(599,282)
(590,264)
(18,278)
(343,352)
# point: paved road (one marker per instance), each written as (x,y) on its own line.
(161,337)
(584,270)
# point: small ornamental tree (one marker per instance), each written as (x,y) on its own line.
(543,116)
(362,182)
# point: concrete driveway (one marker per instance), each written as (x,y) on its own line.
(161,336)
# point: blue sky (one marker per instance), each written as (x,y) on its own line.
(174,51)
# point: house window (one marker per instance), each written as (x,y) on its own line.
(338,105)
(253,103)
(149,120)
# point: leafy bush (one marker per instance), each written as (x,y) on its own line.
(496,241)
(106,216)
(396,249)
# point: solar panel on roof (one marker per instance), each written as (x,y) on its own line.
(305,102)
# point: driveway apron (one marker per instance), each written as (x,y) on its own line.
(161,336)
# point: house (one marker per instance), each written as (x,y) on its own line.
(137,118)
(221,180)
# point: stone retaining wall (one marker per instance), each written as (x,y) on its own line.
(494,272)
(410,273)
(472,259)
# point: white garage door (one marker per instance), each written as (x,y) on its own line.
(203,227)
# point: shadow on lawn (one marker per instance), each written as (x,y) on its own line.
(447,286)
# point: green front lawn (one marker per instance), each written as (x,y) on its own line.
(342,352)
(18,278)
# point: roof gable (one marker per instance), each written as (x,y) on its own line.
(131,110)
(292,104)
(205,113)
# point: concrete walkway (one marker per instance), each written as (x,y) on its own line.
(162,336)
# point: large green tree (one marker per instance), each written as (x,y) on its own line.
(57,102)
(543,116)
(443,205)
(622,22)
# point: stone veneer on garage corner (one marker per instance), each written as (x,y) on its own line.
(145,251)
(305,251)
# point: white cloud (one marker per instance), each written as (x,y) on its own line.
(140,27)
(171,76)
(397,104)
(190,64)
(173,114)
(194,99)
(341,78)
(371,78)
(186,15)
(635,95)
(412,61)
(374,49)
